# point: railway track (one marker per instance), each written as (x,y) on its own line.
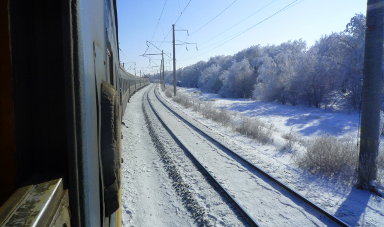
(311,208)
(240,210)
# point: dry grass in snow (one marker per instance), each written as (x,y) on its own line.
(326,155)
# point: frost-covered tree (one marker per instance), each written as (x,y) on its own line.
(238,80)
(354,58)
(337,68)
(209,80)
(326,75)
(278,68)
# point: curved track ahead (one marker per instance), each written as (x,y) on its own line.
(201,168)
(239,159)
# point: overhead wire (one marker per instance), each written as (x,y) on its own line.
(178,18)
(241,21)
(157,24)
(260,22)
(221,12)
(158,20)
(123,52)
(165,37)
(236,24)
(286,7)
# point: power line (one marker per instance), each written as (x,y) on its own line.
(150,42)
(182,12)
(157,24)
(253,26)
(178,18)
(158,41)
(241,21)
(204,25)
(265,19)
(158,21)
(123,52)
(165,37)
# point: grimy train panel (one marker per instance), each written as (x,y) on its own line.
(56,56)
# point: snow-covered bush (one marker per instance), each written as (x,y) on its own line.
(254,129)
(381,123)
(168,91)
(197,105)
(219,115)
(184,100)
(290,140)
(380,165)
(330,156)
(206,109)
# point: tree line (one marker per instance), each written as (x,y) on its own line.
(325,75)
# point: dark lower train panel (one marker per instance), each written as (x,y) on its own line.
(55,56)
(42,204)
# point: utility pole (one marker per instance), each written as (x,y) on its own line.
(372,85)
(174,54)
(174,60)
(162,69)
(162,61)
(160,72)
(140,73)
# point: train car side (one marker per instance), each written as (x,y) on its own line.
(66,96)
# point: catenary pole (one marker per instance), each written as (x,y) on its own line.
(162,68)
(174,60)
(371,92)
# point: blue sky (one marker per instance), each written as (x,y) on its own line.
(241,24)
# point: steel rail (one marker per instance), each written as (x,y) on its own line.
(204,171)
(223,147)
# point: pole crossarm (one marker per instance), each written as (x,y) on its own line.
(143,55)
(182,30)
(174,53)
(149,42)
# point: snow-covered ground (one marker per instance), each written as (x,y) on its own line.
(147,193)
(160,185)
(305,121)
(263,200)
(353,206)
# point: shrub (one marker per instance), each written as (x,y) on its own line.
(218,115)
(197,106)
(330,156)
(254,129)
(290,141)
(183,100)
(380,166)
(168,92)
